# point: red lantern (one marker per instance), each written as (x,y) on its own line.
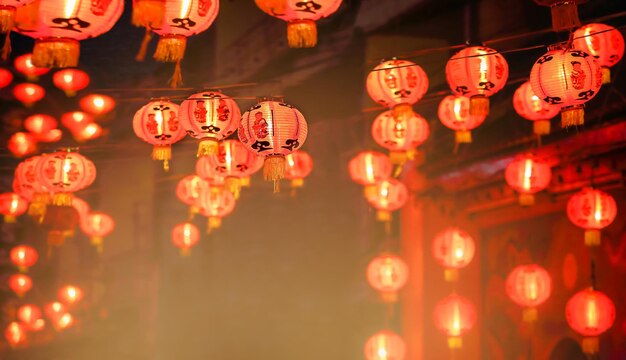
(299,165)
(477,72)
(24,64)
(385,345)
(76,120)
(215,203)
(88,132)
(63,173)
(455,115)
(454,249)
(40,124)
(11,206)
(29,314)
(26,175)
(232,162)
(387,273)
(97,104)
(148,13)
(70,81)
(208,173)
(64,322)
(70,294)
(82,207)
(564,13)
(20,284)
(188,191)
(97,225)
(15,334)
(527,176)
(300,17)
(567,78)
(185,236)
(54,311)
(531,107)
(387,196)
(58,26)
(592,210)
(23,256)
(51,136)
(397,84)
(21,144)
(401,136)
(455,316)
(529,286)
(590,313)
(369,167)
(28,94)
(209,117)
(5,78)
(603,42)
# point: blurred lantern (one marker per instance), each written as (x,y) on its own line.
(401,136)
(26,175)
(24,64)
(529,286)
(22,191)
(29,314)
(97,104)
(209,117)
(82,207)
(385,345)
(185,236)
(397,84)
(477,72)
(70,294)
(188,191)
(215,203)
(97,225)
(40,124)
(51,136)
(54,311)
(299,165)
(454,316)
(255,167)
(454,249)
(58,26)
(564,13)
(20,284)
(603,42)
(7,22)
(15,334)
(28,94)
(207,172)
(455,115)
(273,129)
(76,120)
(5,78)
(63,173)
(387,196)
(387,273)
(592,210)
(147,14)
(88,132)
(11,206)
(567,78)
(300,17)
(531,107)
(23,256)
(590,313)
(64,322)
(70,81)
(37,325)
(527,176)
(21,144)
(157,123)
(369,167)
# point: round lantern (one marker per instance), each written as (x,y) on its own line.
(24,64)
(20,284)
(564,13)
(568,79)
(590,313)
(401,136)
(15,334)
(300,17)
(273,129)
(51,136)
(65,321)
(40,124)
(232,162)
(26,175)
(70,81)
(5,78)
(70,294)
(188,190)
(11,206)
(531,107)
(207,172)
(97,104)
(454,249)
(29,315)
(64,172)
(21,144)
(387,273)
(387,196)
(397,84)
(455,316)
(527,176)
(28,94)
(256,166)
(82,207)
(97,225)
(23,256)
(157,123)
(385,345)
(58,26)
(215,203)
(454,114)
(592,210)
(76,120)
(88,132)
(299,165)
(477,72)
(185,236)
(54,310)
(210,117)
(604,42)
(369,167)
(529,286)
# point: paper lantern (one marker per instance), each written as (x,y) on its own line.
(82,207)
(157,123)
(51,136)
(298,165)
(401,136)
(453,249)
(188,191)
(568,79)
(70,81)
(455,316)
(590,313)
(232,162)
(54,311)
(185,236)
(26,175)
(385,345)
(20,284)
(28,94)
(527,176)
(88,132)
(387,196)
(592,210)
(21,144)
(455,115)
(23,256)
(387,273)
(369,167)
(11,206)
(397,84)
(603,42)
(273,129)
(206,171)
(58,25)
(300,17)
(40,124)
(29,315)
(215,203)
(37,325)
(256,166)
(210,117)
(24,65)
(63,173)
(529,286)
(564,13)
(97,104)
(97,225)
(6,77)
(70,294)
(15,334)
(531,107)
(477,72)
(76,120)
(64,322)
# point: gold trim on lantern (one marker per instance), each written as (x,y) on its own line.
(369,191)
(233,184)
(398,158)
(451,275)
(455,342)
(593,238)
(479,105)
(565,16)
(541,127)
(164,153)
(56,53)
(529,315)
(389,297)
(62,199)
(301,34)
(402,112)
(274,170)
(573,116)
(591,345)
(383,216)
(214,222)
(7,19)
(463,137)
(208,147)
(170,48)
(297,183)
(184,252)
(245,181)
(97,242)
(606,75)
(526,199)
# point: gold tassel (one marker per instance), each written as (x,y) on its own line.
(213,223)
(297,183)
(451,275)
(162,152)
(177,77)
(6,47)
(9,219)
(207,147)
(37,207)
(479,105)
(591,345)
(463,137)
(245,181)
(170,48)
(143,48)
(529,315)
(455,342)
(606,75)
(56,53)
(383,216)
(526,199)
(301,34)
(233,184)
(7,19)
(148,13)
(541,127)
(62,199)
(398,158)
(573,116)
(97,242)
(274,170)
(402,112)
(389,297)
(193,210)
(565,16)
(593,238)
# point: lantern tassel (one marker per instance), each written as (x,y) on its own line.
(463,137)
(213,223)
(389,297)
(565,16)
(207,147)
(402,112)
(527,199)
(193,210)
(56,53)
(62,199)
(184,252)
(541,127)
(383,216)
(593,238)
(9,219)
(143,48)
(233,184)
(606,75)
(6,47)
(274,170)
(97,242)
(451,275)
(297,183)
(170,48)
(455,342)
(245,181)
(7,19)
(529,315)
(162,152)
(479,106)
(301,34)
(573,116)
(591,345)
(177,77)
(398,158)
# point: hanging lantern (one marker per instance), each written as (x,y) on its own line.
(54,311)
(15,334)
(273,129)
(70,294)
(88,132)
(185,236)
(400,136)
(37,325)
(592,210)
(529,286)
(21,144)
(97,104)
(207,172)
(387,273)
(20,284)
(454,249)
(147,14)
(40,124)
(590,313)
(397,84)
(70,81)
(455,115)
(369,167)
(28,94)
(210,117)
(455,316)
(255,167)
(215,203)
(298,165)
(60,25)
(232,163)
(531,107)
(6,77)
(97,225)
(188,191)
(26,175)
(74,121)
(29,315)
(63,173)
(477,72)
(23,256)
(24,65)
(11,206)
(527,176)
(64,322)
(387,196)
(385,345)
(564,13)
(51,136)
(7,22)
(82,208)
(603,42)
(567,78)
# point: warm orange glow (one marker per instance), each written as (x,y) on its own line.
(6,77)
(65,321)
(387,273)
(70,294)
(455,315)
(29,314)
(385,345)
(15,334)
(28,93)
(97,104)
(388,195)
(22,144)
(24,65)
(368,167)
(70,80)
(40,124)
(20,284)
(54,310)
(453,248)
(528,175)
(24,256)
(185,236)
(591,209)
(590,313)
(12,205)
(88,132)
(529,285)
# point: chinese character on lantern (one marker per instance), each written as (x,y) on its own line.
(529,286)
(400,136)
(387,273)
(592,210)
(531,107)
(528,175)
(603,42)
(455,115)
(454,249)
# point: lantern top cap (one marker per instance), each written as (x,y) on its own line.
(74,149)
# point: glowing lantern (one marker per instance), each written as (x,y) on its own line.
(70,81)
(209,117)
(567,78)
(5,78)
(299,165)
(232,162)
(28,314)
(23,256)
(54,310)
(188,191)
(65,321)
(20,284)
(529,286)
(37,325)
(70,294)
(215,203)
(21,144)
(76,120)
(40,124)
(51,136)
(454,249)
(531,107)
(58,26)
(401,136)
(11,206)
(82,207)
(387,196)
(455,316)
(97,104)
(97,225)
(369,167)
(592,210)
(26,175)
(207,172)
(604,42)
(88,132)
(528,176)
(590,313)
(564,13)
(254,168)
(301,17)
(15,334)
(454,114)
(157,123)
(385,345)
(64,172)
(387,273)
(28,94)
(185,236)
(148,14)
(24,64)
